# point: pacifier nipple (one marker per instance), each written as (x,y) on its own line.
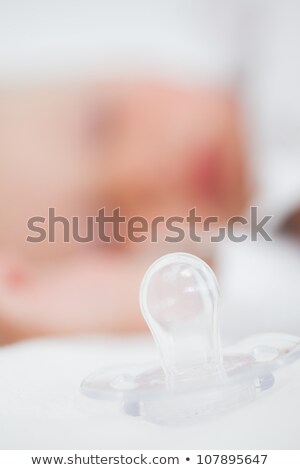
(179,299)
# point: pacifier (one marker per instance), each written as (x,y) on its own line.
(196,378)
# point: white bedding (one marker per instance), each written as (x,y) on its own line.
(41,406)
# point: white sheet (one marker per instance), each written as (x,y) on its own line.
(41,406)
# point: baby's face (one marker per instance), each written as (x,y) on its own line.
(150,149)
(174,149)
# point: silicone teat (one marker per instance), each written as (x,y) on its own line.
(179,300)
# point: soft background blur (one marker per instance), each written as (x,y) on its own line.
(155,107)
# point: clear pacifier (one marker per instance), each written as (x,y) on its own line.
(179,300)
